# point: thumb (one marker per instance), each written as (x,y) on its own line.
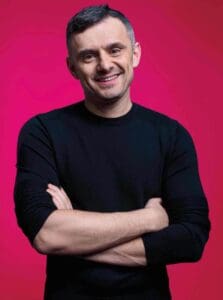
(154,201)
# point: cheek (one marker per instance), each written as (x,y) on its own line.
(85,72)
(129,69)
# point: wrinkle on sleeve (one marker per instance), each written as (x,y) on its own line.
(186,204)
(36,168)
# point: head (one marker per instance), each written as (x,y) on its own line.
(93,15)
(102,52)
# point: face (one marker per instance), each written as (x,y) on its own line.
(103,58)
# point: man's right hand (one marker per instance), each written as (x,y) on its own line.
(158,215)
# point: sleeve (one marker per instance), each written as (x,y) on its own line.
(183,198)
(36,168)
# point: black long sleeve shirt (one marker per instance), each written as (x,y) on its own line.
(107,165)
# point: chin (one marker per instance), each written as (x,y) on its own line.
(105,98)
(111,98)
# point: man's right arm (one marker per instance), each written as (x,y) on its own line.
(79,232)
(131,253)
(63,231)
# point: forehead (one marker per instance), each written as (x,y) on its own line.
(108,31)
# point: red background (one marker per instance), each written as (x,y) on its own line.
(181,75)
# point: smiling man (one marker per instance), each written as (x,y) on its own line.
(102,57)
(109,190)
(104,65)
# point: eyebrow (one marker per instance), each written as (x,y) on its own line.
(116,45)
(84,52)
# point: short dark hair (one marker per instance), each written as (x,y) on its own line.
(91,15)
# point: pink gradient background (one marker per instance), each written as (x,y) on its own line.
(181,75)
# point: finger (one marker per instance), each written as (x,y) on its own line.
(59,190)
(61,195)
(65,195)
(65,198)
(61,198)
(154,201)
(57,203)
(60,201)
(53,187)
(63,191)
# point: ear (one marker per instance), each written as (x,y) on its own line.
(136,54)
(71,67)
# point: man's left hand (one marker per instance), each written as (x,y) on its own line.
(59,197)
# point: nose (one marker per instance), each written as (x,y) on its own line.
(104,63)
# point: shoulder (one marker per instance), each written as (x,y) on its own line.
(155,118)
(57,117)
(162,124)
(170,130)
(61,114)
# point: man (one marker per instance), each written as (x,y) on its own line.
(108,189)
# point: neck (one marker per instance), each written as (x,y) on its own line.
(111,109)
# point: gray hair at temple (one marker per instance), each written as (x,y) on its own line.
(92,15)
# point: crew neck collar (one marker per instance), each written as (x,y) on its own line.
(107,120)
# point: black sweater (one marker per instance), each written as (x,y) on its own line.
(107,165)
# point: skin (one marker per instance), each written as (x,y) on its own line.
(131,253)
(104,66)
(94,61)
(102,237)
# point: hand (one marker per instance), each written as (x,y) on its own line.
(153,202)
(158,215)
(59,197)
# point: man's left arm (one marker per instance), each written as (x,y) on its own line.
(186,204)
(130,254)
(184,199)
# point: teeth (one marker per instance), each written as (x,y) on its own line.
(108,78)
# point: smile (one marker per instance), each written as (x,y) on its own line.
(107,78)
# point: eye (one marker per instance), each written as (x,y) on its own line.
(115,51)
(88,57)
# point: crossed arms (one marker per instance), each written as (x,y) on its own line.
(139,237)
(103,237)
